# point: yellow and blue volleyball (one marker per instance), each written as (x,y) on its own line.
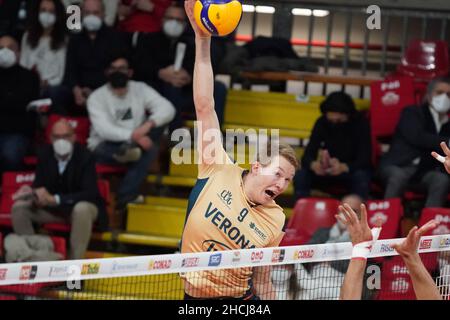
(218,17)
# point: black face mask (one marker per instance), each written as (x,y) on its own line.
(337,126)
(118,80)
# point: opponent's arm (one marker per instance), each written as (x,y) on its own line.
(423,283)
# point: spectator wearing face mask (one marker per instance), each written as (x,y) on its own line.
(110,9)
(18,87)
(339,151)
(88,55)
(127,118)
(64,190)
(44,43)
(154,62)
(420,130)
(13,14)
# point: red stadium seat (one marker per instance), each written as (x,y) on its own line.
(442,215)
(81,126)
(309,215)
(390,212)
(11,183)
(395,281)
(388,98)
(425,60)
(105,169)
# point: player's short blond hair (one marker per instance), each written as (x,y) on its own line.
(284,150)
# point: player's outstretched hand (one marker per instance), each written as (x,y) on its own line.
(189,7)
(408,248)
(444,160)
(357,228)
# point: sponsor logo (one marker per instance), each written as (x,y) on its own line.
(441,218)
(442,229)
(398,269)
(278,255)
(123,267)
(332,252)
(390,85)
(215,260)
(386,248)
(444,243)
(400,285)
(378,216)
(425,244)
(257,256)
(190,262)
(55,272)
(303,254)
(258,231)
(90,268)
(390,99)
(227,197)
(28,272)
(3,273)
(159,264)
(236,257)
(22,178)
(382,205)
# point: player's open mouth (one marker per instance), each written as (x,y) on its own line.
(270,193)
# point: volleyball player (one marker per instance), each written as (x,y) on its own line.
(230,208)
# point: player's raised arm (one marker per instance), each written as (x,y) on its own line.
(362,240)
(203,83)
(423,283)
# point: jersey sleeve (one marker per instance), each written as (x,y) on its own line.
(216,160)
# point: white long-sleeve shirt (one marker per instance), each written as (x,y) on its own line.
(115,118)
(49,63)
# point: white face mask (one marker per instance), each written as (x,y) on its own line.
(7,58)
(173,28)
(92,23)
(47,19)
(441,103)
(62,147)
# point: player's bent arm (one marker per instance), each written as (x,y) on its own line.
(424,286)
(262,282)
(353,281)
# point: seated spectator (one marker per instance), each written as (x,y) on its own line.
(154,62)
(418,133)
(110,9)
(44,42)
(121,131)
(141,15)
(338,151)
(18,87)
(88,55)
(64,190)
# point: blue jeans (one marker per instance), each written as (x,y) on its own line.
(358,182)
(13,148)
(137,171)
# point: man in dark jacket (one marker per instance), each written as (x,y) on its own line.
(18,87)
(418,133)
(338,151)
(64,190)
(89,53)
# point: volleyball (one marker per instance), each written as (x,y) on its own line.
(218,17)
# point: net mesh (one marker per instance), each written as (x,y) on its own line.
(313,272)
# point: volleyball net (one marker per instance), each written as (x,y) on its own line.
(311,272)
